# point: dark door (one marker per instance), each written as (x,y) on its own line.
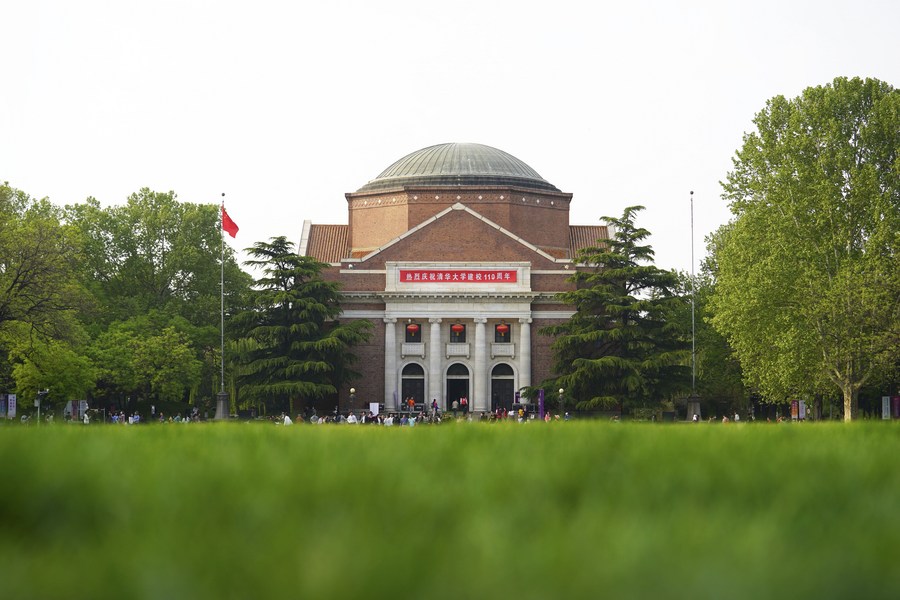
(502,393)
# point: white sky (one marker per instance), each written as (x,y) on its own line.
(286,106)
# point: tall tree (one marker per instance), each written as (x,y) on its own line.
(38,257)
(151,357)
(623,346)
(808,285)
(294,348)
(60,365)
(156,253)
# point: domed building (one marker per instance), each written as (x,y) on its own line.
(456,253)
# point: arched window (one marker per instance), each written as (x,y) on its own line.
(457,370)
(502,370)
(413,370)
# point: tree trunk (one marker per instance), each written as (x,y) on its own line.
(851,402)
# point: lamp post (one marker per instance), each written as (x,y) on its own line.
(40,399)
(352,399)
(561,401)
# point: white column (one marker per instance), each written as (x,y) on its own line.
(480,402)
(434,365)
(390,364)
(524,352)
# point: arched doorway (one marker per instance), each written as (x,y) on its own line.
(412,385)
(503,387)
(457,384)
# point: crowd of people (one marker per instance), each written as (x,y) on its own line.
(411,418)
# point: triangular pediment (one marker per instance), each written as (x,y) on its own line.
(458,233)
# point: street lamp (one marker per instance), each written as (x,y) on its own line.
(352,399)
(40,399)
(561,401)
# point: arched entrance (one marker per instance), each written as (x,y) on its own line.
(412,385)
(457,383)
(503,387)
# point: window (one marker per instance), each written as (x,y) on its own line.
(502,333)
(413,333)
(457,333)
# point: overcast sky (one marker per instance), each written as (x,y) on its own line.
(286,106)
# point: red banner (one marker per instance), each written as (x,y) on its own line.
(457,276)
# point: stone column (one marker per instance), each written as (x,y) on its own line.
(480,402)
(390,364)
(524,352)
(434,365)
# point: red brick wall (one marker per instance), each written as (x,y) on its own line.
(374,225)
(370,364)
(540,218)
(541,354)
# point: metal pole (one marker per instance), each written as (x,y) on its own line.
(693,411)
(693,303)
(222,404)
(222,296)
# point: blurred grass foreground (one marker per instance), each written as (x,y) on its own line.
(561,510)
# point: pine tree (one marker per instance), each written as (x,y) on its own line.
(294,347)
(622,348)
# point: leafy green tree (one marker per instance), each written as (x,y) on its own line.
(59,365)
(294,347)
(156,253)
(623,346)
(158,256)
(38,258)
(149,358)
(808,283)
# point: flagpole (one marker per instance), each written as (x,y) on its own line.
(693,305)
(222,404)
(222,296)
(694,404)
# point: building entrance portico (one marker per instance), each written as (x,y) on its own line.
(478,317)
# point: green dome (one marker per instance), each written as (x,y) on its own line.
(458,165)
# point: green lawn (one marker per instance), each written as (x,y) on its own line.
(561,510)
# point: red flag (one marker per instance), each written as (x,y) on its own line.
(228,225)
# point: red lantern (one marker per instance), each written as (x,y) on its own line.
(412,327)
(502,328)
(457,328)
